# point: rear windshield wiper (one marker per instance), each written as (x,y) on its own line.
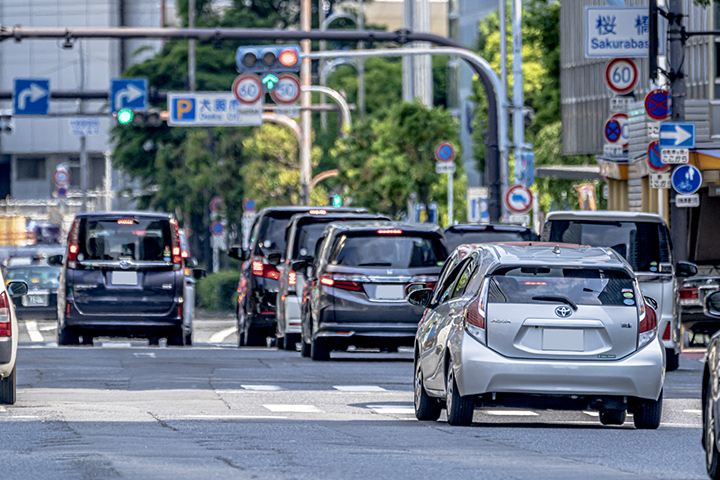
(556,298)
(375,264)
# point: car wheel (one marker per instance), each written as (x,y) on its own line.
(712,456)
(647,413)
(153,341)
(459,409)
(672,360)
(87,339)
(613,417)
(320,350)
(8,389)
(426,407)
(68,336)
(290,342)
(176,338)
(280,343)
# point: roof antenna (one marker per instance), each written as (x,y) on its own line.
(556,250)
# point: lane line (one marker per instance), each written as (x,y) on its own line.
(359,388)
(32,330)
(149,355)
(220,336)
(697,412)
(227,417)
(47,328)
(116,345)
(510,413)
(293,408)
(262,388)
(392,409)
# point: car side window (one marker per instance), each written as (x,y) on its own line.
(445,280)
(464,279)
(453,278)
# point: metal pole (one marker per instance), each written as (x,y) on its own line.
(305,101)
(83,146)
(503,42)
(451,198)
(408,61)
(518,100)
(191,47)
(361,64)
(341,101)
(108,182)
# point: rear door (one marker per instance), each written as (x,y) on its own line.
(562,313)
(125,266)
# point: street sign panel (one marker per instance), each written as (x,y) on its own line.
(616,130)
(687,201)
(612,149)
(477,204)
(445,152)
(619,104)
(31,96)
(61,177)
(85,127)
(191,109)
(519,219)
(287,89)
(655,158)
(249,206)
(660,180)
(128,93)
(518,199)
(657,104)
(677,135)
(675,156)
(619,32)
(217,229)
(247,89)
(621,75)
(653,130)
(444,167)
(686,179)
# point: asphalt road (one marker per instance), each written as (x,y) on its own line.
(121,409)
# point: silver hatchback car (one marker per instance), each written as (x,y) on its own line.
(537,326)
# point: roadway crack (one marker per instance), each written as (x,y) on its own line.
(162,422)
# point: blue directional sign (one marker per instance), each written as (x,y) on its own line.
(128,93)
(677,135)
(686,179)
(31,96)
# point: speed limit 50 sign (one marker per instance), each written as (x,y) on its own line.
(621,75)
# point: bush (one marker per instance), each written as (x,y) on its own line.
(218,291)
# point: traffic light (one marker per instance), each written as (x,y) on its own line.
(337,200)
(6,123)
(265,59)
(145,118)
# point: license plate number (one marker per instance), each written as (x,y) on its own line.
(389,292)
(35,300)
(563,339)
(124,278)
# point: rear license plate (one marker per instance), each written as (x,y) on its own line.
(389,292)
(35,301)
(563,339)
(124,278)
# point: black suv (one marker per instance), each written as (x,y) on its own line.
(473,233)
(258,284)
(122,276)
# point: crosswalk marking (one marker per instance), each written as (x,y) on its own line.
(359,388)
(220,336)
(697,412)
(33,332)
(2,410)
(511,413)
(145,354)
(262,388)
(392,409)
(293,408)
(229,417)
(47,328)
(116,344)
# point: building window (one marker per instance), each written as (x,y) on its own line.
(30,168)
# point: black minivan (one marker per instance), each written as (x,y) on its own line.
(122,276)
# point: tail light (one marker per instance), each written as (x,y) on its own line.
(73,244)
(689,296)
(344,282)
(179,311)
(647,321)
(292,278)
(265,270)
(5,324)
(666,334)
(429,280)
(177,258)
(475,314)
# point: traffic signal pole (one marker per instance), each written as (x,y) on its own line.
(305,101)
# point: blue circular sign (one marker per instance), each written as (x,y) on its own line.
(445,152)
(655,158)
(657,104)
(613,131)
(62,192)
(217,229)
(686,179)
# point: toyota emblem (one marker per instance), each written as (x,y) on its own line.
(563,312)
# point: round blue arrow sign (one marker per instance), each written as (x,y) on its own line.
(686,179)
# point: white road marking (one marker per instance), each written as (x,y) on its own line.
(392,409)
(116,344)
(2,410)
(511,413)
(359,388)
(51,344)
(149,354)
(220,336)
(591,413)
(293,408)
(262,388)
(47,328)
(32,330)
(228,417)
(697,412)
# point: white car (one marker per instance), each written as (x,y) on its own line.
(8,338)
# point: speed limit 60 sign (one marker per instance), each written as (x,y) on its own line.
(621,75)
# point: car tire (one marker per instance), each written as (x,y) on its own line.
(8,389)
(672,360)
(712,455)
(290,342)
(68,336)
(87,339)
(153,341)
(280,342)
(255,338)
(176,338)
(241,327)
(305,349)
(320,350)
(460,409)
(613,417)
(647,414)
(426,407)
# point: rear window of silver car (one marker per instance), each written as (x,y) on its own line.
(395,251)
(581,286)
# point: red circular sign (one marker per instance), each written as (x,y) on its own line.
(657,104)
(654,158)
(621,75)
(61,177)
(445,152)
(615,130)
(518,199)
(248,89)
(287,89)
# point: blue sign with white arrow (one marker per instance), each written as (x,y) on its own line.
(686,179)
(128,93)
(31,96)
(677,135)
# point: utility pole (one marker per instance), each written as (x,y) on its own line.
(83,143)
(191,47)
(518,99)
(305,101)
(503,43)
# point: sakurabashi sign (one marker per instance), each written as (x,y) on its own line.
(619,32)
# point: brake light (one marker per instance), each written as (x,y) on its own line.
(5,324)
(689,296)
(177,259)
(343,282)
(318,211)
(475,314)
(389,231)
(126,221)
(647,322)
(67,309)
(666,334)
(261,269)
(185,254)
(73,244)
(179,311)
(292,278)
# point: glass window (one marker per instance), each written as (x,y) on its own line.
(30,168)
(144,240)
(464,279)
(271,230)
(393,251)
(455,238)
(306,237)
(42,277)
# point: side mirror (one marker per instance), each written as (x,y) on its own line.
(17,288)
(237,252)
(274,259)
(420,297)
(55,260)
(652,302)
(191,262)
(712,304)
(685,269)
(198,273)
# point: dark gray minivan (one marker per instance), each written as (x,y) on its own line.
(122,276)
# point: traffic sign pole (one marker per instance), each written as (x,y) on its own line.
(445,156)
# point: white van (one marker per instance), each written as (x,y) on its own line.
(644,240)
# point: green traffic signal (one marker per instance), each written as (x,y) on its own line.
(125,116)
(269,81)
(337,200)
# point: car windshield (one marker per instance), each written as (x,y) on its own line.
(580,286)
(643,244)
(455,238)
(393,251)
(126,239)
(271,236)
(42,277)
(306,238)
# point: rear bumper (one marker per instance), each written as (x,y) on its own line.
(292,314)
(6,354)
(125,322)
(342,335)
(32,313)
(481,370)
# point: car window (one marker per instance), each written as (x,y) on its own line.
(143,239)
(452,281)
(455,238)
(42,277)
(445,279)
(271,232)
(395,251)
(464,279)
